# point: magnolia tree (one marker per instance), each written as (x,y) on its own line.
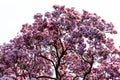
(62,45)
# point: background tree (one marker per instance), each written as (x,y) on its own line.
(62,45)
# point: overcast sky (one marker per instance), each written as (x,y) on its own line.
(14,13)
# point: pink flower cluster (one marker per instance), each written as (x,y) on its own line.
(62,45)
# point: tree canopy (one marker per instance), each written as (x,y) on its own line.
(62,45)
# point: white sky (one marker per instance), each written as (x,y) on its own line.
(14,13)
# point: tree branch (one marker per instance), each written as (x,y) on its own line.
(89,71)
(45,77)
(56,50)
(61,45)
(59,56)
(48,59)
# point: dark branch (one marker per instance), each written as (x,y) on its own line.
(89,71)
(45,77)
(56,50)
(48,59)
(61,45)
(58,76)
(63,53)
